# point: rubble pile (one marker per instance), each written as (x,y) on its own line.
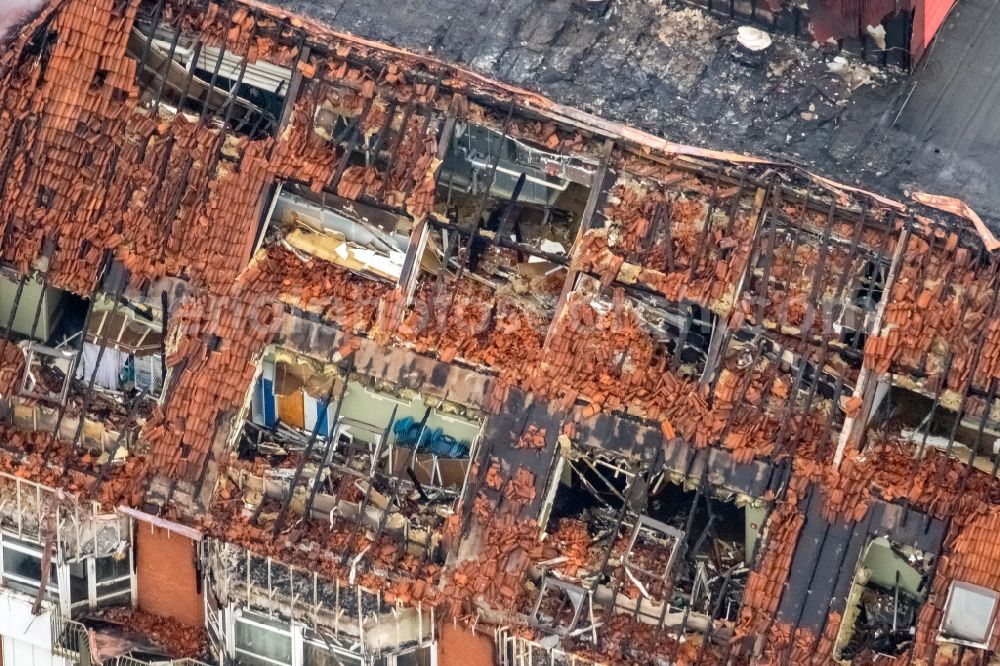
(47,198)
(12,361)
(788,645)
(410,181)
(608,359)
(470,323)
(939,306)
(315,286)
(215,380)
(644,556)
(157,206)
(182,430)
(572,540)
(40,457)
(847,490)
(625,641)
(302,152)
(745,399)
(234,29)
(360,181)
(679,251)
(99,172)
(178,640)
(804,275)
(546,135)
(330,548)
(891,470)
(532,438)
(497,577)
(767,580)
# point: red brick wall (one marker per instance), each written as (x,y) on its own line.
(458,646)
(166,577)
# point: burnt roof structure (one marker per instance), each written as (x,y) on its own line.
(673,70)
(390,347)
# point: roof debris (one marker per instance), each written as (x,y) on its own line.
(625,397)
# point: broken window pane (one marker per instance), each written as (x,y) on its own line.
(418,657)
(177,72)
(318,655)
(48,373)
(969,615)
(22,564)
(110,569)
(114,580)
(47,301)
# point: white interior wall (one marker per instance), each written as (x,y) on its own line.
(374,408)
(27,639)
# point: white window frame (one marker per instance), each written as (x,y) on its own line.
(94,596)
(65,583)
(28,382)
(214,620)
(991,625)
(361,659)
(154,362)
(239,617)
(94,585)
(431,647)
(52,587)
(226,621)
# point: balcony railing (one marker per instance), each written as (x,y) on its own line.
(132,661)
(81,527)
(252,580)
(71,640)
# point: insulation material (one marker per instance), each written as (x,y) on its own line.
(334,248)
(295,372)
